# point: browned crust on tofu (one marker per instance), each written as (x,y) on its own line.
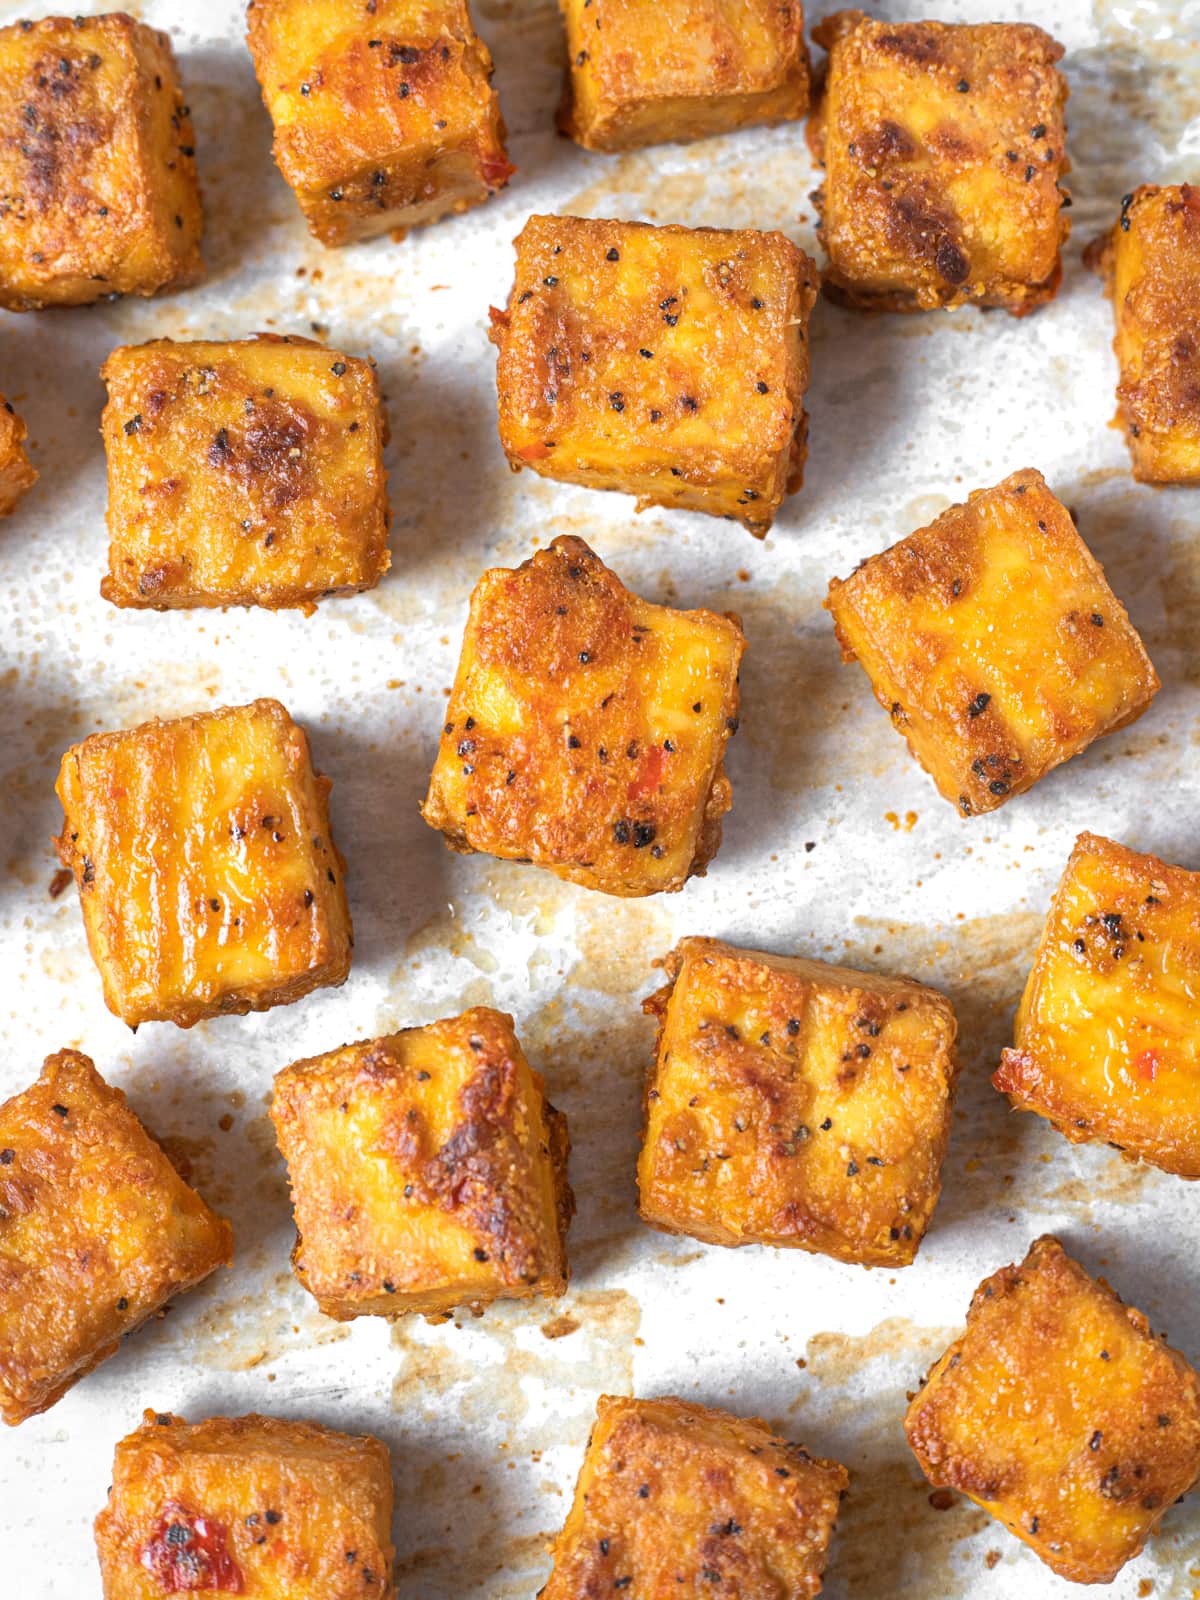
(1062,1414)
(676,1495)
(17,473)
(200,902)
(97,1232)
(684,69)
(607,764)
(97,167)
(255,1505)
(961,203)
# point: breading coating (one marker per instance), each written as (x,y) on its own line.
(17,473)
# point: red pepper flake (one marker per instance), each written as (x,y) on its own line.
(189,1553)
(1146,1065)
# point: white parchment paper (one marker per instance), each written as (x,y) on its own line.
(837,846)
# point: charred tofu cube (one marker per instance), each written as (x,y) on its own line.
(247,1505)
(207,876)
(427,1171)
(994,642)
(678,1498)
(97,1232)
(681,69)
(17,473)
(242,474)
(1060,1413)
(98,192)
(384,114)
(586,729)
(670,363)
(795,1103)
(943,147)
(1107,1042)
(1151,263)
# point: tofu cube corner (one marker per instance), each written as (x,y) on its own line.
(428,1172)
(245,473)
(247,1505)
(1151,264)
(676,1495)
(943,146)
(994,642)
(795,1103)
(98,191)
(1060,1413)
(681,69)
(668,363)
(97,1232)
(384,115)
(17,473)
(586,728)
(1107,1038)
(207,876)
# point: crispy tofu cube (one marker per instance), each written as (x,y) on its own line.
(427,1171)
(680,69)
(384,115)
(247,1505)
(795,1103)
(1107,1043)
(17,473)
(674,1497)
(994,642)
(97,1232)
(586,729)
(98,192)
(207,876)
(1061,1414)
(1151,263)
(248,473)
(670,363)
(943,147)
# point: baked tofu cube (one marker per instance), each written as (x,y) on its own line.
(994,642)
(586,729)
(794,1103)
(98,192)
(17,473)
(247,1505)
(384,114)
(943,147)
(1059,1412)
(243,474)
(670,363)
(1151,262)
(427,1171)
(675,1498)
(97,1232)
(1107,1043)
(207,876)
(681,69)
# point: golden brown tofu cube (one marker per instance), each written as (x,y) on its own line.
(643,74)
(1059,1412)
(670,363)
(1107,1043)
(97,1232)
(207,876)
(427,1171)
(586,729)
(994,642)
(1151,262)
(795,1103)
(943,147)
(247,1505)
(98,192)
(17,473)
(675,1498)
(240,474)
(384,115)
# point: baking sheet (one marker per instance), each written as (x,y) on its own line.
(837,845)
